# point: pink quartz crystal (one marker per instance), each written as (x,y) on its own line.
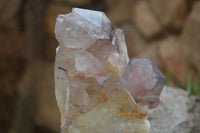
(98,90)
(144,81)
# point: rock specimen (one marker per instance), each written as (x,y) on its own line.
(146,20)
(170,13)
(190,37)
(98,89)
(178,112)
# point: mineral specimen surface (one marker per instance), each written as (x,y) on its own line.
(98,89)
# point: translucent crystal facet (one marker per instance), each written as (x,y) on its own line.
(144,81)
(98,89)
(81,28)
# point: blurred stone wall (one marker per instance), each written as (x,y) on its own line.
(168,31)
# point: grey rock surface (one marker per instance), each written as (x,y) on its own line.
(178,112)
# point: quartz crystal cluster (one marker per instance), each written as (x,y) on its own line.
(98,89)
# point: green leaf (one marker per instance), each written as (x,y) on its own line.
(189,85)
(168,76)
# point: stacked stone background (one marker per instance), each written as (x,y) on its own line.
(168,31)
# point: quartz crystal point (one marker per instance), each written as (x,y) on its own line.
(144,81)
(98,89)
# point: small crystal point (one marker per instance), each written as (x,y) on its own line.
(95,17)
(144,81)
(96,89)
(81,28)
